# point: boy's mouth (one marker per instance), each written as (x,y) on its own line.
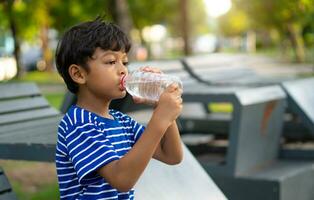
(122,83)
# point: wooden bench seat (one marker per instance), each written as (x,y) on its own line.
(27,123)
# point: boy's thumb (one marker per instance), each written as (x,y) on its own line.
(172,87)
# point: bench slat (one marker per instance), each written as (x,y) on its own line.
(35,135)
(8,196)
(29,124)
(28,115)
(16,90)
(22,104)
(4,183)
(31,152)
(164,65)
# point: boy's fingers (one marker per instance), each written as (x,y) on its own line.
(137,99)
(171,88)
(150,69)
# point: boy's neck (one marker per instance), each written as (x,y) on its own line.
(95,105)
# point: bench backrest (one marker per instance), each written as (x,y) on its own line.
(28,124)
(219,68)
(172,67)
(6,192)
(23,102)
(300,95)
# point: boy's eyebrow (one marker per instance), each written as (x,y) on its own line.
(124,55)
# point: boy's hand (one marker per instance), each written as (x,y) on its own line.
(139,100)
(169,105)
(151,69)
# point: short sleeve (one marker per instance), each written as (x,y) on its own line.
(137,129)
(89,149)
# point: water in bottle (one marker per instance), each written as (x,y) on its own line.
(148,85)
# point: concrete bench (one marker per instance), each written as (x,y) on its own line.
(224,69)
(300,96)
(185,181)
(6,192)
(301,100)
(249,165)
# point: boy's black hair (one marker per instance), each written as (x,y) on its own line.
(80,42)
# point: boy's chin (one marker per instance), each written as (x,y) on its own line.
(123,94)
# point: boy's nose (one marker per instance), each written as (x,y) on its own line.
(122,69)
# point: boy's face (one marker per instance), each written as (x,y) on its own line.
(105,71)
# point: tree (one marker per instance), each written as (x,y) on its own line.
(285,16)
(170,14)
(8,8)
(233,23)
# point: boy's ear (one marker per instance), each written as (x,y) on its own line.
(77,73)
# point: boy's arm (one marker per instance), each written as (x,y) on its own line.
(169,149)
(122,174)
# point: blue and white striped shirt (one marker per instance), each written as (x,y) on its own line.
(86,142)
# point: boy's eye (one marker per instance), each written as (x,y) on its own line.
(112,62)
(125,63)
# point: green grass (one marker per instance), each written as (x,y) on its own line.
(32,180)
(55,99)
(42,77)
(220,107)
(46,191)
(289,55)
(46,80)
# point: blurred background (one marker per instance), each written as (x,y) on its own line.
(280,30)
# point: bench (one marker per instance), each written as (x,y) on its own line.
(28,123)
(6,192)
(28,130)
(28,126)
(249,165)
(300,96)
(185,181)
(228,69)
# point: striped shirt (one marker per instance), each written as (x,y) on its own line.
(86,142)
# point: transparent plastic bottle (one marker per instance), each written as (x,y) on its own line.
(148,85)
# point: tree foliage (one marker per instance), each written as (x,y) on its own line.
(287,17)
(167,12)
(34,18)
(234,23)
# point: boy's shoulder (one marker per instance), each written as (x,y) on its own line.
(77,116)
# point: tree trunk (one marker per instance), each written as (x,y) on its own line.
(251,41)
(297,42)
(47,53)
(121,15)
(185,26)
(17,52)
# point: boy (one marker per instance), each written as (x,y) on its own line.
(101,153)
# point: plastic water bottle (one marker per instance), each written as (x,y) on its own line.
(148,85)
